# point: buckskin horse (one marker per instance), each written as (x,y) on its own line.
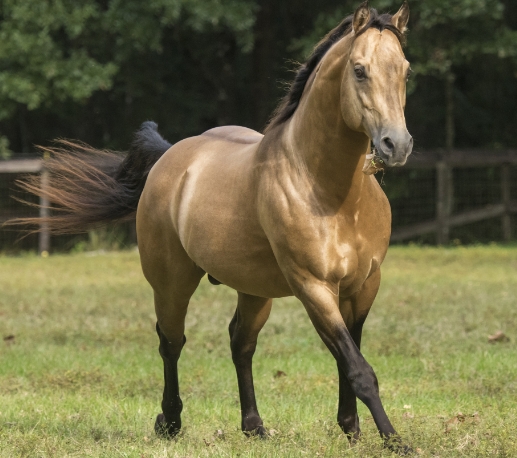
(294,211)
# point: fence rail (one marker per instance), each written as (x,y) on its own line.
(21,166)
(444,163)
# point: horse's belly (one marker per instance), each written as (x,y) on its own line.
(255,275)
(237,255)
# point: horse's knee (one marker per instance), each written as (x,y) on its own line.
(364,384)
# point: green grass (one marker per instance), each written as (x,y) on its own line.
(82,376)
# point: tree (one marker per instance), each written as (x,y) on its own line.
(56,55)
(450,34)
(96,69)
(43,57)
(447,39)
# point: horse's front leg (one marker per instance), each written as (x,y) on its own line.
(354,311)
(251,315)
(321,302)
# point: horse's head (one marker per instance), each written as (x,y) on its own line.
(373,93)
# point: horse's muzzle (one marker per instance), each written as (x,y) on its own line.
(394,147)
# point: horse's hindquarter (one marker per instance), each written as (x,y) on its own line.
(208,186)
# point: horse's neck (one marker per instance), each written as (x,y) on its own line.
(320,143)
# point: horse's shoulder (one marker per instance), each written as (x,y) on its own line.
(235,134)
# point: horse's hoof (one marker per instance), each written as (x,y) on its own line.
(350,426)
(404,450)
(162,429)
(259,431)
(395,444)
(353,437)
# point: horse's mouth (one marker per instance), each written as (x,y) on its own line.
(373,163)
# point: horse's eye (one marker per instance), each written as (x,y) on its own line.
(409,72)
(360,73)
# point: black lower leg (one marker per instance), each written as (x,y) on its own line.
(168,423)
(363,382)
(251,423)
(347,417)
(361,378)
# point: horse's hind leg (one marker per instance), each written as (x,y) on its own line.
(173,284)
(251,315)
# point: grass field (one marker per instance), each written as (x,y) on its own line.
(82,375)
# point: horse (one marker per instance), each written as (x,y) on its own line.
(292,211)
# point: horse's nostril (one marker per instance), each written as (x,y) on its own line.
(388,145)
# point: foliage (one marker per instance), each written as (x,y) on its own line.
(474,40)
(56,53)
(81,374)
(43,54)
(442,33)
(448,34)
(96,69)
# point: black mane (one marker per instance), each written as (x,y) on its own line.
(290,102)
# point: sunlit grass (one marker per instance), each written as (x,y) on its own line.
(82,375)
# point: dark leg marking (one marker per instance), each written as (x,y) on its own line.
(363,382)
(168,423)
(362,379)
(250,316)
(347,417)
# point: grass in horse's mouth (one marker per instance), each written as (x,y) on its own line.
(373,163)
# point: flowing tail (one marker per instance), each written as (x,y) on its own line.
(89,188)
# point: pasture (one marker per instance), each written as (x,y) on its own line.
(80,373)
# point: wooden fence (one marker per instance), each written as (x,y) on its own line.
(444,163)
(441,161)
(32,166)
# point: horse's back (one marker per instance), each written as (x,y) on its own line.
(235,134)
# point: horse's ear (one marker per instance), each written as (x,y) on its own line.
(361,17)
(401,19)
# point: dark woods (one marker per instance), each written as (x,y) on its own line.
(109,66)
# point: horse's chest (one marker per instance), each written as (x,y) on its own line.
(337,256)
(352,266)
(354,278)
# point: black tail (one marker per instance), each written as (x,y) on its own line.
(89,188)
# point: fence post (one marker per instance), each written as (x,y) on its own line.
(444,196)
(44,234)
(506,197)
